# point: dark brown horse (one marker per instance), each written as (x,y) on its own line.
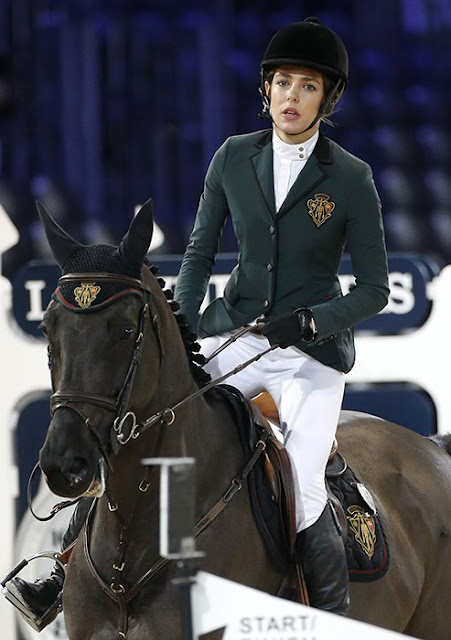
(118,360)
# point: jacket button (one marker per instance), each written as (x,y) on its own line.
(272,229)
(269,267)
(266,303)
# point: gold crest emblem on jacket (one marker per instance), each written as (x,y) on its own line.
(320,208)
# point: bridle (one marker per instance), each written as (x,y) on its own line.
(118,405)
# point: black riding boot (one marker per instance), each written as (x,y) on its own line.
(42,598)
(324,564)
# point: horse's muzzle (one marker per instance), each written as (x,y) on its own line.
(71,476)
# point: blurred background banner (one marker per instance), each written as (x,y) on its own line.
(104,103)
(408,308)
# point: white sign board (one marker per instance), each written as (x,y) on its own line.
(248,614)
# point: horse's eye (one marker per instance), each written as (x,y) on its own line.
(127,333)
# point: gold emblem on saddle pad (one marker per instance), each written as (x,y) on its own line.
(86,293)
(363,528)
(320,208)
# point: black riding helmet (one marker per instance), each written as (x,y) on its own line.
(308,44)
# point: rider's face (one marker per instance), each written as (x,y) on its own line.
(296,94)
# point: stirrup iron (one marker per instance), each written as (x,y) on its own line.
(13,595)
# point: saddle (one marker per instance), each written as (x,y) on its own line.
(273,500)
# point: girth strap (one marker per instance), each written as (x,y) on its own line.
(235,486)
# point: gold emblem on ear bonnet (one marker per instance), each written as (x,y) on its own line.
(86,293)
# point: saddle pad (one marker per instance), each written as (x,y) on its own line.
(366,544)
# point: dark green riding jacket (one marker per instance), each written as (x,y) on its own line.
(289,259)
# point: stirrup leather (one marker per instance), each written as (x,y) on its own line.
(13,595)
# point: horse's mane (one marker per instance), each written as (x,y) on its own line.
(189,338)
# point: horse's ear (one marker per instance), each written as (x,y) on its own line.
(61,243)
(136,241)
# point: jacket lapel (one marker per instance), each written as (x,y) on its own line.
(263,167)
(310,177)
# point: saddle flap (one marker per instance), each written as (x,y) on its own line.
(279,475)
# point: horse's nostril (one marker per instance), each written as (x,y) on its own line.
(78,471)
(78,464)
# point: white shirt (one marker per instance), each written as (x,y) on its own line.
(288,162)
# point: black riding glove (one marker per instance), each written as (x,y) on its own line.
(287,330)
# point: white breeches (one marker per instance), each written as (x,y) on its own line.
(308,395)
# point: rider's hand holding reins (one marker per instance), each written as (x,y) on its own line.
(289,329)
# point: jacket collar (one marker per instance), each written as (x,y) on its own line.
(309,178)
(262,163)
(322,150)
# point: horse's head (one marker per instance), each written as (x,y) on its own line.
(102,316)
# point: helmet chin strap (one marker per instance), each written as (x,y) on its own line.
(264,113)
(325,104)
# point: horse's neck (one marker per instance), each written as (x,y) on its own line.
(202,428)
(212,439)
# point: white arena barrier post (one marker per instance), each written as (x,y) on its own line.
(177,499)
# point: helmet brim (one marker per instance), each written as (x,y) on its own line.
(269,65)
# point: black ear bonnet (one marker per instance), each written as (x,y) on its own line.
(83,293)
